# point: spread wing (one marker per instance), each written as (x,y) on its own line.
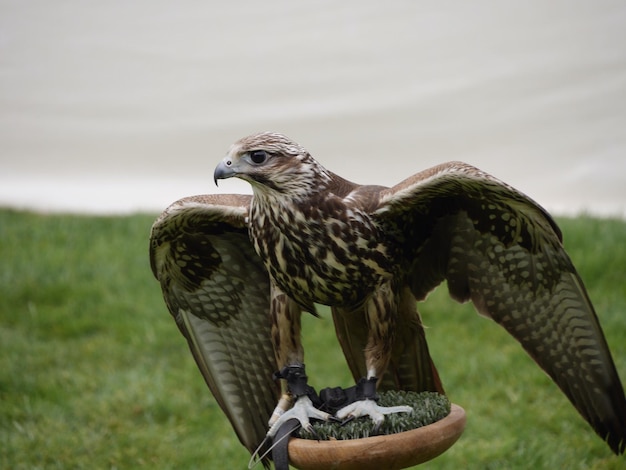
(217,289)
(499,249)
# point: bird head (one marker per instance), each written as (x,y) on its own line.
(272,163)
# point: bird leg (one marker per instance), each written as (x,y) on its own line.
(296,401)
(302,409)
(365,405)
(377,355)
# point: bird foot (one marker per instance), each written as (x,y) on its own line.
(365,405)
(302,410)
(369,408)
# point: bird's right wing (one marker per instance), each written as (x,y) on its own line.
(217,289)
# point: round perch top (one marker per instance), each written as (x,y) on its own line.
(392,451)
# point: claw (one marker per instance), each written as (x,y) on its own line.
(346,420)
(302,410)
(369,408)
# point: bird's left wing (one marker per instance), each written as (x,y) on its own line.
(217,289)
(499,249)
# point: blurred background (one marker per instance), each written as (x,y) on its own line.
(124,106)
(117,107)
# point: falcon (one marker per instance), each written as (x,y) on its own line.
(237,272)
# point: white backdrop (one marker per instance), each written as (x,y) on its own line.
(121,106)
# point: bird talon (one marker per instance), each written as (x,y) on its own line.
(302,411)
(348,419)
(311,430)
(376,428)
(369,408)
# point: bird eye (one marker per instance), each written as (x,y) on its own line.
(258,156)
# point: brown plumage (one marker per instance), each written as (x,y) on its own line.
(237,271)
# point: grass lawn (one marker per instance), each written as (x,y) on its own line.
(94,373)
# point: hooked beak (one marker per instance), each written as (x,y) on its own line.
(224,170)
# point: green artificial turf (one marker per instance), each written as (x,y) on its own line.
(428,407)
(95,375)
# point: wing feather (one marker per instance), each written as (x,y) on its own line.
(501,250)
(217,289)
